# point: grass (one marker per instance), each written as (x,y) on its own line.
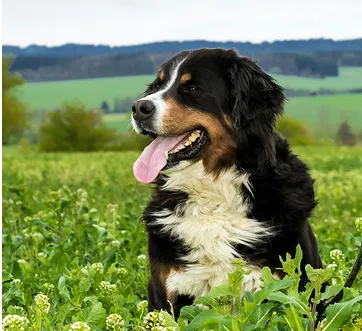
(349,78)
(92,92)
(121,122)
(71,231)
(325,113)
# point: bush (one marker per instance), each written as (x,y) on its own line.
(75,128)
(345,136)
(14,112)
(129,141)
(295,131)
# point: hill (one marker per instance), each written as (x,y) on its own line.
(280,46)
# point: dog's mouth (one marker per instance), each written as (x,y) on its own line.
(165,152)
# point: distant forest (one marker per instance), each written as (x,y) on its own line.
(309,58)
(281,46)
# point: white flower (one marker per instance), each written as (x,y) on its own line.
(115,322)
(107,289)
(42,303)
(152,320)
(14,323)
(49,287)
(80,326)
(332,266)
(141,258)
(359,224)
(17,281)
(122,271)
(336,255)
(142,305)
(98,267)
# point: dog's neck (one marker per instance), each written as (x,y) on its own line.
(192,178)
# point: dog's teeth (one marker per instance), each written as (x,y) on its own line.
(187,143)
(166,155)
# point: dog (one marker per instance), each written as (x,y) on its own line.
(226,184)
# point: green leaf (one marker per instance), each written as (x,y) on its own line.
(94,312)
(169,319)
(331,291)
(205,318)
(262,294)
(63,290)
(267,276)
(318,276)
(294,319)
(298,256)
(217,292)
(289,300)
(189,312)
(339,314)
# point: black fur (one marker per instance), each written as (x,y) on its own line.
(283,194)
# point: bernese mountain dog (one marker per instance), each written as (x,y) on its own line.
(226,184)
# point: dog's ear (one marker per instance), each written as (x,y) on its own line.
(256,101)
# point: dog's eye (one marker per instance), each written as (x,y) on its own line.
(156,86)
(190,88)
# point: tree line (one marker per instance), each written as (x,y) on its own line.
(279,46)
(47,68)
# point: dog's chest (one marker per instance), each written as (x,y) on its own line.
(211,222)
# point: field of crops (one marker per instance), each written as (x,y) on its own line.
(92,92)
(71,231)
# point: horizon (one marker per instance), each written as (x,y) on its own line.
(180,41)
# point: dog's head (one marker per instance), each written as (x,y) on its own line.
(208,104)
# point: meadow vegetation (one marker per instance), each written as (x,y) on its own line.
(74,251)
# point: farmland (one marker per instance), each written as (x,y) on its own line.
(92,92)
(71,231)
(322,113)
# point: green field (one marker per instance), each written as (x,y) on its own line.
(62,213)
(349,78)
(121,122)
(322,114)
(92,92)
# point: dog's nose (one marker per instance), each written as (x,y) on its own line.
(142,109)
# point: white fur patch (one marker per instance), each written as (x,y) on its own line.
(213,219)
(158,100)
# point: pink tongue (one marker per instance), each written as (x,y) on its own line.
(153,158)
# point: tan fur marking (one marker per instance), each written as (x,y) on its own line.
(221,150)
(185,78)
(161,75)
(164,272)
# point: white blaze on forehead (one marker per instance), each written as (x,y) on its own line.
(157,98)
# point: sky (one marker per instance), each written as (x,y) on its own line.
(129,22)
